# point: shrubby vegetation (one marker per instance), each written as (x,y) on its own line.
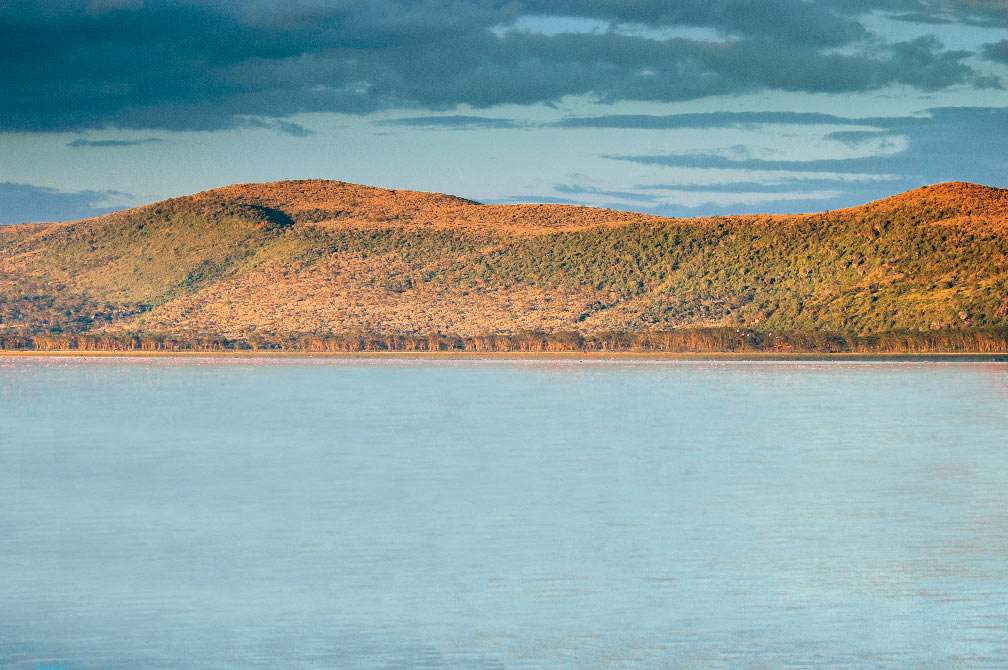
(675,341)
(311,263)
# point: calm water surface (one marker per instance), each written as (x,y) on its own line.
(171,514)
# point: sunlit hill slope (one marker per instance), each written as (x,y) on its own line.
(324,264)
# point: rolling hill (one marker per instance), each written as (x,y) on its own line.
(325,264)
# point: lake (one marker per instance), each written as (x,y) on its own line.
(282,514)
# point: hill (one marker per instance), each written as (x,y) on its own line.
(326,264)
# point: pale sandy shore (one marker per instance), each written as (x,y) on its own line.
(516,355)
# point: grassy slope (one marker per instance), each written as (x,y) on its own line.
(318,256)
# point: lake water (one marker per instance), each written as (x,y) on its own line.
(254,514)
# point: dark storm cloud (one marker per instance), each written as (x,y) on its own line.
(27,203)
(972,12)
(807,23)
(997,51)
(76,144)
(990,13)
(71,64)
(942,146)
(458,122)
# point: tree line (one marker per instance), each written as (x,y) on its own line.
(712,340)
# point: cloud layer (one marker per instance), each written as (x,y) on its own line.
(205,65)
(942,145)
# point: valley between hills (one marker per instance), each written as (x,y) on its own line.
(319,265)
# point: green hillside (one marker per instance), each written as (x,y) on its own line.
(324,264)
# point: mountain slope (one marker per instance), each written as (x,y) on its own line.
(325,257)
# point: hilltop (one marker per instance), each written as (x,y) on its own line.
(325,261)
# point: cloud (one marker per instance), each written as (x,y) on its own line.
(981,12)
(996,51)
(458,122)
(536,199)
(778,185)
(870,141)
(208,65)
(26,203)
(703,120)
(770,192)
(713,161)
(688,203)
(112,143)
(987,13)
(276,125)
(896,154)
(804,23)
(710,200)
(921,17)
(575,189)
(942,145)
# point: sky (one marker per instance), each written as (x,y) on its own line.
(674,107)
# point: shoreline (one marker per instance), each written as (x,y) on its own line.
(970,357)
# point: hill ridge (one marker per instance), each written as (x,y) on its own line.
(952,193)
(324,257)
